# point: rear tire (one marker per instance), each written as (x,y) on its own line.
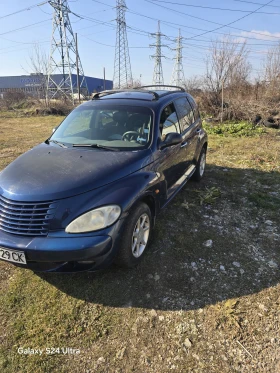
(200,168)
(136,235)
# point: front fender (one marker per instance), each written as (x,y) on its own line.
(124,192)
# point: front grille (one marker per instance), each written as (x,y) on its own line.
(26,218)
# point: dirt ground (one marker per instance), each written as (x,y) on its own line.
(206,297)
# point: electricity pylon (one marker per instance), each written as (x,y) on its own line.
(64,58)
(158,73)
(122,68)
(178,77)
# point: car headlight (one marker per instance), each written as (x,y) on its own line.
(94,220)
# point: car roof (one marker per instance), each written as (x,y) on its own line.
(148,96)
(144,93)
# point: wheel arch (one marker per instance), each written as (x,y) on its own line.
(151,202)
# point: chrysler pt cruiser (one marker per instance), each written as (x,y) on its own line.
(89,195)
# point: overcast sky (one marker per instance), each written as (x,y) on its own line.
(97,33)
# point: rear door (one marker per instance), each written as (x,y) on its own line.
(190,128)
(197,122)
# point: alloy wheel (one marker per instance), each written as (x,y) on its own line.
(140,235)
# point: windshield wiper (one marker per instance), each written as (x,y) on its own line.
(96,146)
(56,142)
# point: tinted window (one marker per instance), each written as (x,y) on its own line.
(168,121)
(195,108)
(185,112)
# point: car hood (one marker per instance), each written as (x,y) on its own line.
(49,172)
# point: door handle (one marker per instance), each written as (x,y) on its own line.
(184,144)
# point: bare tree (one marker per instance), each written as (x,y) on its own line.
(38,63)
(240,74)
(193,84)
(272,70)
(225,65)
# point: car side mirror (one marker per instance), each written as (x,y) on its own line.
(172,138)
(54,129)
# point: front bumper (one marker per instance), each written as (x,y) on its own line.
(59,252)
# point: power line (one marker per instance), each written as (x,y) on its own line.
(25,9)
(251,2)
(109,45)
(194,28)
(20,42)
(174,25)
(216,23)
(239,19)
(24,27)
(144,32)
(214,8)
(138,31)
(234,42)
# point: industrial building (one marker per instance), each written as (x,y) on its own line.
(35,84)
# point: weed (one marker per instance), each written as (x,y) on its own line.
(242,129)
(209,195)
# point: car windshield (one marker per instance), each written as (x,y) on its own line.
(121,127)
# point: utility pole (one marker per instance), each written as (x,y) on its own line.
(122,68)
(158,74)
(77,66)
(178,76)
(104,80)
(64,58)
(222,112)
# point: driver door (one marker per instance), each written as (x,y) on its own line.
(169,159)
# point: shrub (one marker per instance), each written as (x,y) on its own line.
(13,98)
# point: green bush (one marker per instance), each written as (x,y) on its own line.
(242,129)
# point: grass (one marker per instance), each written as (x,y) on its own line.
(20,134)
(189,307)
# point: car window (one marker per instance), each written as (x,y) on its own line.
(119,126)
(195,107)
(185,112)
(168,121)
(80,123)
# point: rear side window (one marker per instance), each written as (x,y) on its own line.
(185,112)
(195,108)
(168,121)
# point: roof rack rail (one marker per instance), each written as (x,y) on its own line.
(102,93)
(110,92)
(162,85)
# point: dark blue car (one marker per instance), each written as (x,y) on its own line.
(89,195)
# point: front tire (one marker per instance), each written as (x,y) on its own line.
(200,168)
(136,235)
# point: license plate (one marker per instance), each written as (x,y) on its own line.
(12,256)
